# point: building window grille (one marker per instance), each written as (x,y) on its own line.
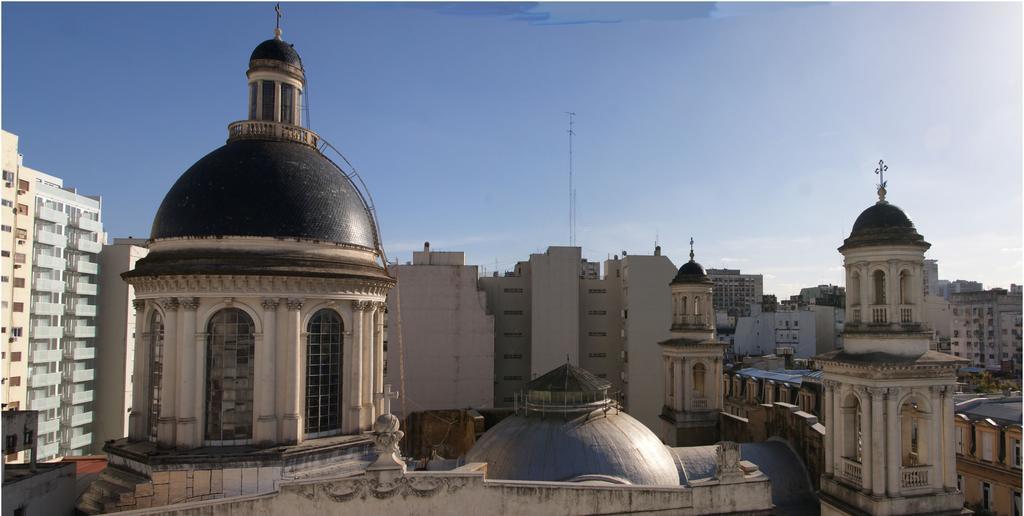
(156,366)
(229,375)
(252,100)
(323,373)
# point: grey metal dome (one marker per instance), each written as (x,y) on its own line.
(612,446)
(883,224)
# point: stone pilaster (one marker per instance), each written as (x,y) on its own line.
(830,427)
(265,397)
(877,449)
(138,420)
(291,424)
(166,424)
(892,442)
(187,381)
(356,366)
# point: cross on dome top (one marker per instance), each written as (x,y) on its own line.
(277,26)
(882,167)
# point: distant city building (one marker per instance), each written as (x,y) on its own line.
(1016,289)
(115,339)
(938,316)
(963,286)
(987,434)
(930,276)
(49,268)
(826,295)
(554,307)
(33,488)
(735,292)
(763,332)
(986,329)
(447,332)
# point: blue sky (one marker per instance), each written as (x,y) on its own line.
(754,128)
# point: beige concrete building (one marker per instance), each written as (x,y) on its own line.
(555,307)
(115,339)
(447,334)
(735,292)
(988,454)
(49,272)
(986,329)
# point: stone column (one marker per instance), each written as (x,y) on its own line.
(668,380)
(187,383)
(935,458)
(356,364)
(677,364)
(139,418)
(281,377)
(878,442)
(378,357)
(839,440)
(866,463)
(716,384)
(830,428)
(949,450)
(866,299)
(367,343)
(199,392)
(687,385)
(266,376)
(892,296)
(893,454)
(169,379)
(291,427)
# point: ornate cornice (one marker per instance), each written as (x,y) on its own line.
(281,286)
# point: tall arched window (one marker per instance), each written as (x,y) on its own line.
(684,305)
(905,287)
(323,374)
(696,305)
(230,346)
(698,380)
(879,286)
(155,338)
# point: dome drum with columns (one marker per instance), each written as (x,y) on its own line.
(260,306)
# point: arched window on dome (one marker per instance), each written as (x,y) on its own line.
(323,374)
(684,305)
(878,282)
(698,380)
(269,88)
(230,347)
(155,341)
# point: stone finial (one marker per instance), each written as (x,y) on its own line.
(386,436)
(727,459)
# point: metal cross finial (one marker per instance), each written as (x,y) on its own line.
(691,248)
(277,26)
(882,167)
(386,396)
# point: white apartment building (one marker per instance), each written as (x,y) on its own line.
(986,329)
(51,266)
(734,292)
(556,307)
(115,339)
(762,332)
(930,276)
(447,335)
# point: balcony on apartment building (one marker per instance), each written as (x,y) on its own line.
(82,375)
(85,245)
(43,308)
(52,215)
(86,223)
(44,356)
(80,353)
(78,398)
(47,403)
(49,238)
(83,288)
(83,266)
(47,450)
(47,285)
(79,331)
(49,262)
(81,309)
(80,419)
(45,331)
(44,380)
(80,441)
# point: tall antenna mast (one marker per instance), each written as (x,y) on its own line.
(572,190)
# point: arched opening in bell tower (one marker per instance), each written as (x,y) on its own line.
(878,282)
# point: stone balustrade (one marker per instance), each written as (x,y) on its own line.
(261,130)
(912,477)
(852,470)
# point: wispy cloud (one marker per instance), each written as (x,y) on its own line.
(583,13)
(733,260)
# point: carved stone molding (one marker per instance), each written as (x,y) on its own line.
(215,286)
(295,304)
(139,304)
(169,304)
(877,392)
(270,303)
(189,303)
(381,488)
(362,306)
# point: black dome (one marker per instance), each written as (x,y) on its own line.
(266,189)
(882,224)
(691,272)
(276,50)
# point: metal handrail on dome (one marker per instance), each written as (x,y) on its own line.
(262,129)
(558,402)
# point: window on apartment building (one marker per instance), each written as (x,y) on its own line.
(597,355)
(15,381)
(19,282)
(16,356)
(22,209)
(8,175)
(19,257)
(986,496)
(7,203)
(16,331)
(1016,453)
(5,228)
(5,279)
(986,446)
(21,233)
(22,185)
(5,254)
(18,307)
